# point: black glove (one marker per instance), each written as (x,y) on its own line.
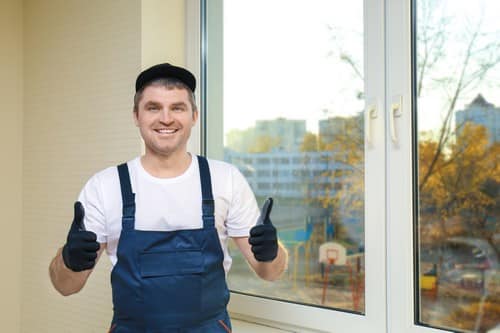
(80,251)
(263,237)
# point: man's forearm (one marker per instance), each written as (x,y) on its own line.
(273,270)
(65,281)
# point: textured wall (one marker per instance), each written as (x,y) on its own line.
(162,32)
(81,60)
(11,57)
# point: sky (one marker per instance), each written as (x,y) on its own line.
(278,64)
(281,59)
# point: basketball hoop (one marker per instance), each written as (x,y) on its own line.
(332,255)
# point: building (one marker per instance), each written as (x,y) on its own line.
(481,112)
(287,174)
(290,132)
(299,179)
(282,134)
(332,128)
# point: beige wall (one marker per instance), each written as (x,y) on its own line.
(81,61)
(162,32)
(11,57)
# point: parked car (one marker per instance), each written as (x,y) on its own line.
(467,262)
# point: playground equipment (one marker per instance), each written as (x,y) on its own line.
(296,239)
(306,238)
(334,254)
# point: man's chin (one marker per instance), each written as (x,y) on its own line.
(166,151)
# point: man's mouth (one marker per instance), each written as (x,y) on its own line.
(166,130)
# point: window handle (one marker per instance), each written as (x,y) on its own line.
(370,113)
(396,111)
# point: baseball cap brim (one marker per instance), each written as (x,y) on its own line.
(165,70)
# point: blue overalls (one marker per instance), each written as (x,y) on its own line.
(169,281)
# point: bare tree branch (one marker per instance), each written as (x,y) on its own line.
(348,59)
(444,132)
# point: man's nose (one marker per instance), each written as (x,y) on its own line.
(165,116)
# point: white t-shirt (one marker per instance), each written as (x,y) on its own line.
(166,204)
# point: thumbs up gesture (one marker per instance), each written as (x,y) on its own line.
(263,236)
(80,251)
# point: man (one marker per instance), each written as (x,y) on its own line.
(164,220)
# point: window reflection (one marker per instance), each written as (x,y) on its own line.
(458,173)
(293,125)
(319,198)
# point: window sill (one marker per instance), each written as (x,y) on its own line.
(246,327)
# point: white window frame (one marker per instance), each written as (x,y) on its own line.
(400,190)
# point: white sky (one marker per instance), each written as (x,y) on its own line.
(278,61)
(277,64)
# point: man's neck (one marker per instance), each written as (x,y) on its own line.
(166,166)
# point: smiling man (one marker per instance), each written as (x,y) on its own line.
(165,220)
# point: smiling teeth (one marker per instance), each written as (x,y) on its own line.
(166,131)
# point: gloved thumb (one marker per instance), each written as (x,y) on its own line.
(79,214)
(265,212)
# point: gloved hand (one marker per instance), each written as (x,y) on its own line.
(263,236)
(80,251)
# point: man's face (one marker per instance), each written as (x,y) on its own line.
(165,118)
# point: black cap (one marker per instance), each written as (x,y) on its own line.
(163,71)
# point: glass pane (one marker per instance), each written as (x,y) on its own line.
(292,122)
(457,85)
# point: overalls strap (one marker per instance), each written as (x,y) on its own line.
(206,193)
(128,198)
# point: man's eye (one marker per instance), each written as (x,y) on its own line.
(152,108)
(178,108)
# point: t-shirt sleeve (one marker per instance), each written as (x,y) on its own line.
(92,201)
(243,211)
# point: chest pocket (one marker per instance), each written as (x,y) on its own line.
(156,264)
(168,279)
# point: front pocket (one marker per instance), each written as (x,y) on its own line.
(152,264)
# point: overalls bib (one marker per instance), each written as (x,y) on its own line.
(169,281)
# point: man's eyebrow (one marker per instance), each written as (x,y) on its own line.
(178,104)
(152,103)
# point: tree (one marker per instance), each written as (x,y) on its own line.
(464,184)
(309,143)
(265,144)
(466,317)
(339,188)
(479,54)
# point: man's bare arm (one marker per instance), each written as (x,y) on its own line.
(66,281)
(269,271)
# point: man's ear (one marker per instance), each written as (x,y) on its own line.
(195,116)
(136,119)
